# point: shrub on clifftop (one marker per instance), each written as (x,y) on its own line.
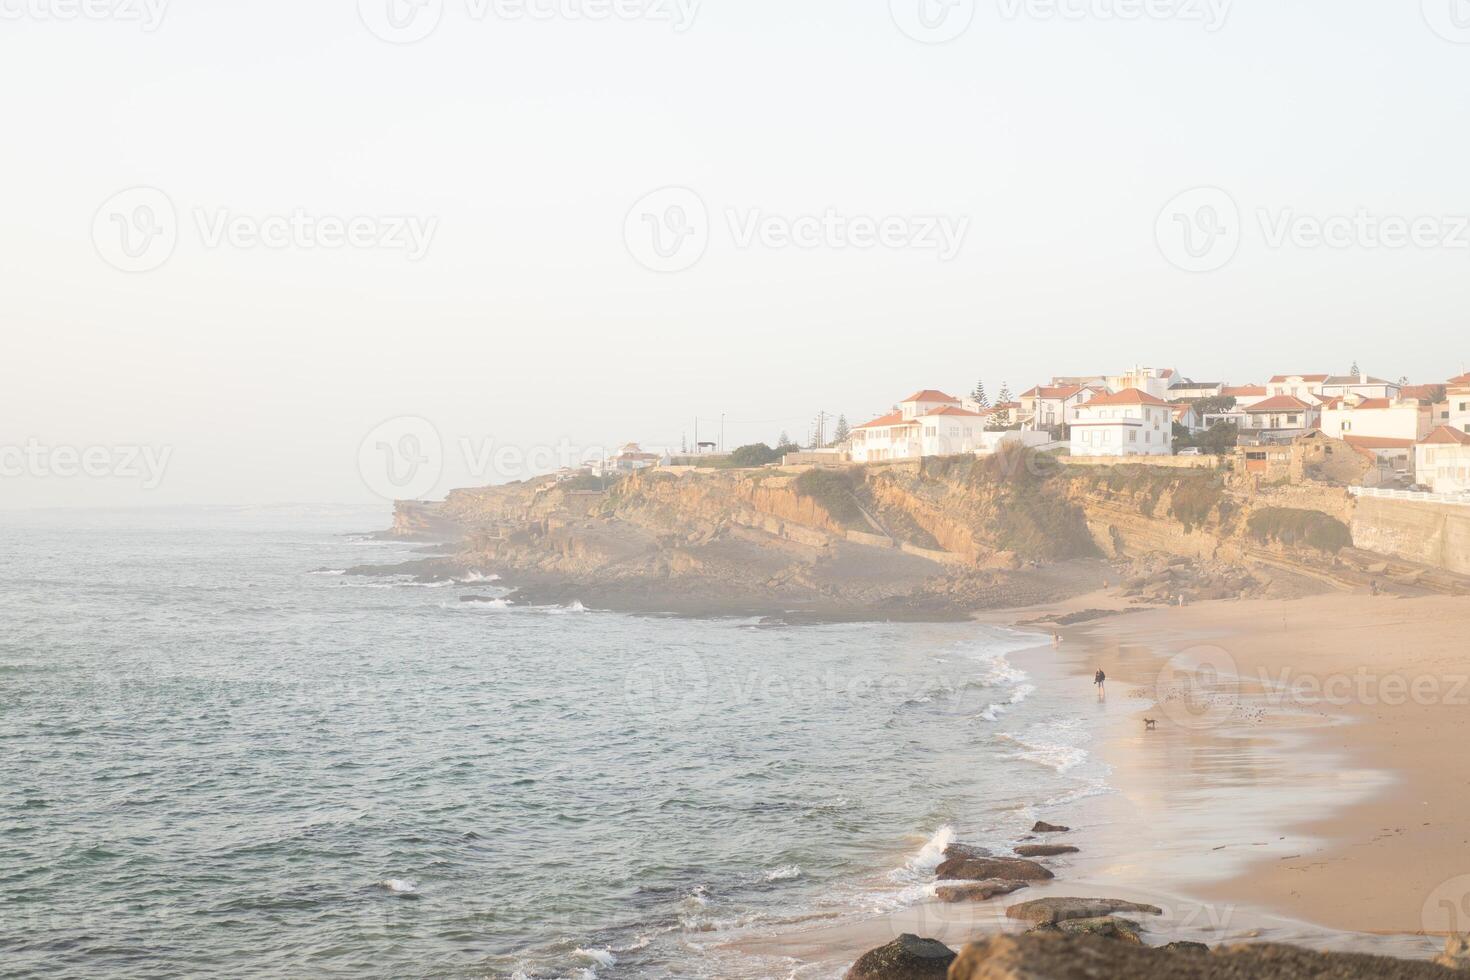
(1298,528)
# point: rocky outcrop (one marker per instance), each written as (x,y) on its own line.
(977,891)
(984,869)
(966,851)
(1050,911)
(906,958)
(1106,927)
(1045,850)
(1042,827)
(1056,956)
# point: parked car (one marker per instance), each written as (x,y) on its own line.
(1191,451)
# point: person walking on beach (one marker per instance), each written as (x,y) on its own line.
(1101,680)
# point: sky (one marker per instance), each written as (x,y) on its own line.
(256,253)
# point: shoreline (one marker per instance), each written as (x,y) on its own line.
(1215,820)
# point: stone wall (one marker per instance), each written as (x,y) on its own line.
(1433,534)
(1170,462)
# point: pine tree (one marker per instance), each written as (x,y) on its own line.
(1355,371)
(1002,419)
(783,439)
(843,431)
(979,395)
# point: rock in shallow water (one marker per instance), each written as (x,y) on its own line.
(906,958)
(1045,850)
(981,869)
(1050,911)
(977,891)
(1042,827)
(1054,956)
(1106,927)
(966,851)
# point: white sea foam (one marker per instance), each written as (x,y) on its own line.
(330,571)
(399,886)
(473,577)
(932,853)
(602,957)
(785,872)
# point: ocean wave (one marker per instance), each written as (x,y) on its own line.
(932,853)
(785,872)
(470,578)
(1051,745)
(329,571)
(1021,693)
(601,957)
(399,886)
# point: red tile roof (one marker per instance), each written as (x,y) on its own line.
(1129,396)
(1280,403)
(1305,377)
(1372,404)
(952,410)
(930,395)
(1463,381)
(1421,392)
(1447,435)
(1047,391)
(892,418)
(1244,391)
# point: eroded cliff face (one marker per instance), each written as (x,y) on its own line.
(946,530)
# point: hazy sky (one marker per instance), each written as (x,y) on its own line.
(498,286)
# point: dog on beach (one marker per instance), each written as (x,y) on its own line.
(1149,724)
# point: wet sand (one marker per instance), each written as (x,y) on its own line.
(1248,812)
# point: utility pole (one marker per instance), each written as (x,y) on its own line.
(821,429)
(722,432)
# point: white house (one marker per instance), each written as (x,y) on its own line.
(1131,422)
(1246,395)
(1154,381)
(1456,405)
(1191,391)
(1376,418)
(927,423)
(628,459)
(1442,460)
(1362,385)
(1277,419)
(1305,387)
(1047,406)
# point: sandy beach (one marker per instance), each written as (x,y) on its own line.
(1299,785)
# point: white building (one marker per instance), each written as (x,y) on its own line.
(1361,385)
(1457,403)
(1277,419)
(1047,406)
(1246,395)
(1131,422)
(1376,418)
(931,423)
(1442,460)
(1305,387)
(1154,381)
(1192,391)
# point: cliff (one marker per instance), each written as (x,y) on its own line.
(938,536)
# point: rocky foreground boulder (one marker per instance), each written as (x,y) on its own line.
(981,869)
(1042,827)
(906,958)
(1055,956)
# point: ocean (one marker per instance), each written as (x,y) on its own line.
(223,757)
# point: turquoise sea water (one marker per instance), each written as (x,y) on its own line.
(221,759)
